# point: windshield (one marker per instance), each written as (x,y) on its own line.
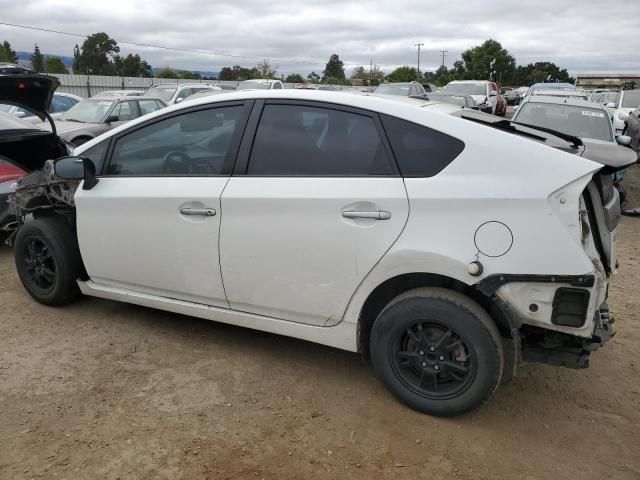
(88,111)
(391,89)
(163,93)
(254,85)
(582,122)
(5,108)
(631,100)
(452,99)
(466,89)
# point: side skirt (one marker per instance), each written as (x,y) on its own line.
(342,336)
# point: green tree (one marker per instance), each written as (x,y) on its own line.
(264,69)
(541,72)
(37,60)
(313,77)
(294,78)
(96,54)
(7,54)
(404,74)
(442,76)
(489,61)
(167,72)
(55,65)
(132,66)
(334,69)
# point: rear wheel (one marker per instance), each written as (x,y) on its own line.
(48,260)
(437,351)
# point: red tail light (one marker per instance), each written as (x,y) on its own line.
(9,171)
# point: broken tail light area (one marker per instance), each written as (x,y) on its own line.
(10,171)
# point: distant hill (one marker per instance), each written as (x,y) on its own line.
(68,61)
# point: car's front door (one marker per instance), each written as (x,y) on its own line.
(312,207)
(151,224)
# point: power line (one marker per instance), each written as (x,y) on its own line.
(183,50)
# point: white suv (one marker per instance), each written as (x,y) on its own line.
(483,92)
(173,93)
(421,235)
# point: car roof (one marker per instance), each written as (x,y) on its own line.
(469,81)
(575,102)
(553,85)
(559,92)
(407,108)
(11,122)
(111,98)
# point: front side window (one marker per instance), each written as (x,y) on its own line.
(294,140)
(96,154)
(148,106)
(125,111)
(420,151)
(193,143)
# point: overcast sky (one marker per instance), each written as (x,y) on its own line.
(580,35)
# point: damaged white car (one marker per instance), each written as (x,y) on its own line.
(442,244)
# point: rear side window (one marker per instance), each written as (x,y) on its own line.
(296,140)
(420,151)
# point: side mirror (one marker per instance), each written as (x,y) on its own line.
(610,105)
(112,118)
(20,114)
(493,93)
(624,140)
(178,100)
(76,168)
(623,116)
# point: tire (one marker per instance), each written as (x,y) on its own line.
(48,260)
(437,351)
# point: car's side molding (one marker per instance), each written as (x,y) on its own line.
(342,335)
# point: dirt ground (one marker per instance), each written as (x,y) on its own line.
(107,390)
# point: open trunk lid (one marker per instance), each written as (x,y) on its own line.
(31,91)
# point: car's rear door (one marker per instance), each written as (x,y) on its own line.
(314,204)
(151,224)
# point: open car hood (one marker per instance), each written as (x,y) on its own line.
(30,91)
(614,157)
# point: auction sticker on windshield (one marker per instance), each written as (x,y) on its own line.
(588,113)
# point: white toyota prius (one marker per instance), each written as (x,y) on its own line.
(447,246)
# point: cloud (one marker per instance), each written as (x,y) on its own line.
(582,36)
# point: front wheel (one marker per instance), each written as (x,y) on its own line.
(48,260)
(437,351)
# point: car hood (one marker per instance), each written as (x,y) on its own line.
(63,126)
(31,91)
(613,156)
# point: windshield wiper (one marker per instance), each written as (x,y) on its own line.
(72,120)
(575,141)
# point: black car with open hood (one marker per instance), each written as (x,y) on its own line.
(25,147)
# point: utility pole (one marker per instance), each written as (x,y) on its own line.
(370,71)
(419,45)
(444,53)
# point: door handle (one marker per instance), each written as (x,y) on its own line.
(374,215)
(204,212)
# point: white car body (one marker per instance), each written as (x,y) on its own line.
(620,109)
(318,256)
(318,294)
(559,92)
(486,101)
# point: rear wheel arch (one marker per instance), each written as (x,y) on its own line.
(393,287)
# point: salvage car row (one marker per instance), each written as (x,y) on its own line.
(446,245)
